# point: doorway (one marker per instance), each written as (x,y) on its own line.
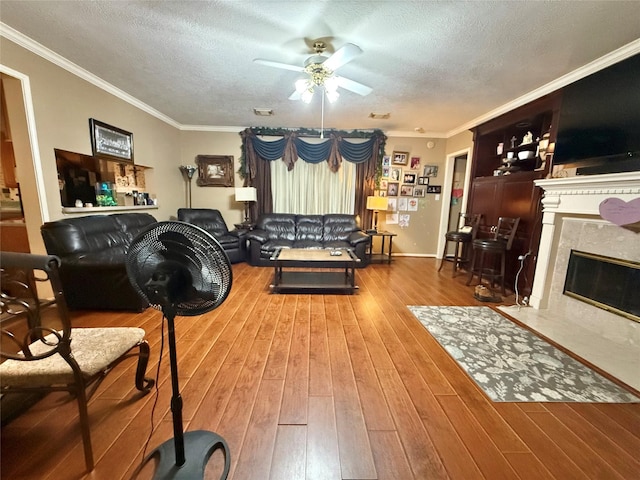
(457,194)
(26,168)
(455,186)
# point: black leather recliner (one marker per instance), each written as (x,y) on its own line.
(287,230)
(93,251)
(211,221)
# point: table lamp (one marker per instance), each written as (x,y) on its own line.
(246,195)
(376,204)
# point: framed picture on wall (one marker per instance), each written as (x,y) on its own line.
(394,174)
(423,180)
(406,191)
(215,170)
(409,178)
(420,192)
(110,142)
(392,189)
(430,171)
(400,158)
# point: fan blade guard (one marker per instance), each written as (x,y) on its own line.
(179,266)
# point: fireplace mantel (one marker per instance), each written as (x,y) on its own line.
(580,195)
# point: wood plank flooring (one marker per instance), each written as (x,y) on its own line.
(324,387)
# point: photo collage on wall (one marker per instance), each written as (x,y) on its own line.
(404,180)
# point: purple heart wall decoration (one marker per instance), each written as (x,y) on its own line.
(619,212)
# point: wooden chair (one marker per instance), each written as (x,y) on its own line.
(495,248)
(462,237)
(42,353)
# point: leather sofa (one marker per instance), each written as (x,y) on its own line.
(93,253)
(233,242)
(286,230)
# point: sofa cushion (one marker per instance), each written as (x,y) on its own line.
(338,227)
(279,226)
(338,245)
(273,245)
(309,228)
(308,244)
(227,240)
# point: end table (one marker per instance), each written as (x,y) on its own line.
(383,255)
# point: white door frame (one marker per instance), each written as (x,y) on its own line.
(447,188)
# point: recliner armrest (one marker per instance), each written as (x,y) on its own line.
(257,235)
(358,237)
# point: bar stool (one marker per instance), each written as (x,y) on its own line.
(462,237)
(496,248)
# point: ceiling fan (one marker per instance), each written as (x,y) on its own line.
(321,69)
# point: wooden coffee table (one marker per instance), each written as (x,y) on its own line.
(309,270)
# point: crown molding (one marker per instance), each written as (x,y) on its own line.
(610,58)
(211,128)
(413,134)
(42,51)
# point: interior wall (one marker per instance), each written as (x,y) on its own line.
(220,198)
(420,237)
(460,142)
(63,104)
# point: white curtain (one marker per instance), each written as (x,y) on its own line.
(311,189)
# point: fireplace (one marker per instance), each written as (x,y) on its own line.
(571,222)
(604,282)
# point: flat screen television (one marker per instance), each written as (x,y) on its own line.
(599,122)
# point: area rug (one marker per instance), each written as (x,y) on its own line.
(510,363)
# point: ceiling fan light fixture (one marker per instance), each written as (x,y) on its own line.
(332,95)
(307,95)
(301,85)
(379,116)
(331,84)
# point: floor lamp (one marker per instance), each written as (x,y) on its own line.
(187,173)
(376,204)
(246,195)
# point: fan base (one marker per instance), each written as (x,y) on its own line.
(199,445)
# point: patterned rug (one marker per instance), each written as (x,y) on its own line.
(511,364)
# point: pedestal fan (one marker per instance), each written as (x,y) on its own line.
(181,269)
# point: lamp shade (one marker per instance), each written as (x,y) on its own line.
(246,194)
(377,203)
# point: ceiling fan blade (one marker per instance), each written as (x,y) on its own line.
(353,86)
(284,66)
(343,55)
(296,95)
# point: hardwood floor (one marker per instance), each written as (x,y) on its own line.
(324,387)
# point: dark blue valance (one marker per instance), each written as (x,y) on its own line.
(269,150)
(313,152)
(355,152)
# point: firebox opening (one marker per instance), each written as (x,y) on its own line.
(605,282)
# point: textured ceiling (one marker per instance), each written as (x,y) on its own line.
(432,65)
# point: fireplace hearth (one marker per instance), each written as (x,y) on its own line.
(571,221)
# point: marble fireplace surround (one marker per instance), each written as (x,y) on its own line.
(571,219)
